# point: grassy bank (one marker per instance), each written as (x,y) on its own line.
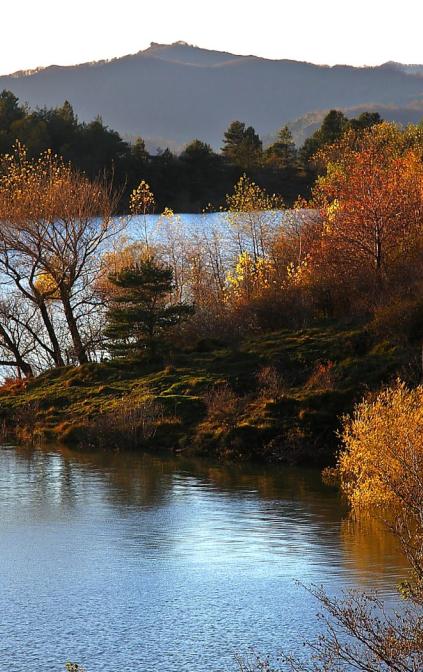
(275,397)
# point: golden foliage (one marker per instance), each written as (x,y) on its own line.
(249,197)
(141,200)
(382,444)
(253,216)
(46,189)
(125,255)
(46,286)
(250,277)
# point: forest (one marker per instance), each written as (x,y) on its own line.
(196,178)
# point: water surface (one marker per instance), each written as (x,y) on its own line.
(144,563)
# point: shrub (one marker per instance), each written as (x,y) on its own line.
(223,405)
(127,425)
(322,377)
(25,419)
(270,383)
(382,446)
(13,384)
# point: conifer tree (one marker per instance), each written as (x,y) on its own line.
(242,146)
(141,312)
(282,154)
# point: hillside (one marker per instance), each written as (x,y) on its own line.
(172,93)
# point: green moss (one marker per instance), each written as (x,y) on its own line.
(65,400)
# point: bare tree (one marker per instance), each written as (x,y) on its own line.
(54,223)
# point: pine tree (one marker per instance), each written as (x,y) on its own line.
(232,140)
(141,313)
(332,129)
(283,153)
(242,146)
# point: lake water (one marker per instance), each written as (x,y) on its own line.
(204,225)
(140,563)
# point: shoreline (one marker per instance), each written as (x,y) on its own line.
(274,398)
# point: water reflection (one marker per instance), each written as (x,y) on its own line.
(173,562)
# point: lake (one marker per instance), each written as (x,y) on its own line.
(141,563)
(203,225)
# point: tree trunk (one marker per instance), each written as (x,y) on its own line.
(25,368)
(80,351)
(57,354)
(20,363)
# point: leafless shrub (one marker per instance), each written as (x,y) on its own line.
(223,405)
(129,424)
(322,376)
(270,383)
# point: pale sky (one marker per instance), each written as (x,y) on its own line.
(362,32)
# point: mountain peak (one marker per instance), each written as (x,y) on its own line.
(172,93)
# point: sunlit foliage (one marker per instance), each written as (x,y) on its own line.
(381,443)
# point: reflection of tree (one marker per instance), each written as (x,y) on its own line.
(368,547)
(289,505)
(53,479)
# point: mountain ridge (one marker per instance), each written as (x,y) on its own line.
(179,91)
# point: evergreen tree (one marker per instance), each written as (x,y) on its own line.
(365,120)
(140,314)
(232,141)
(242,146)
(139,151)
(251,150)
(62,126)
(10,110)
(283,153)
(333,127)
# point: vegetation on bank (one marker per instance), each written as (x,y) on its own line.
(315,311)
(380,471)
(274,397)
(78,291)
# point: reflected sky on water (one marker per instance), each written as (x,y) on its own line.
(141,562)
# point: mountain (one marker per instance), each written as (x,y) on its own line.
(173,93)
(409,68)
(305,126)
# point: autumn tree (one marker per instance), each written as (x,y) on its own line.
(142,203)
(253,215)
(53,224)
(380,470)
(371,201)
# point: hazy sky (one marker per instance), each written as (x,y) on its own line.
(322,31)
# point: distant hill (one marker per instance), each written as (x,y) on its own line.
(410,68)
(305,126)
(171,94)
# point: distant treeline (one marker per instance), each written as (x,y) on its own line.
(190,181)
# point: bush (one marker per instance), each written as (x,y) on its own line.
(223,405)
(322,377)
(269,382)
(382,446)
(402,319)
(128,425)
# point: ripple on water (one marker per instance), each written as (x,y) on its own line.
(140,562)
